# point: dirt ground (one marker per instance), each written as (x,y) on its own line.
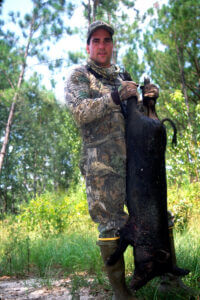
(60,289)
(40,289)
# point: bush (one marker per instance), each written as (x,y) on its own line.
(53,213)
(14,247)
(183,202)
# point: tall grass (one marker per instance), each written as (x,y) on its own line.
(30,248)
(77,254)
(22,252)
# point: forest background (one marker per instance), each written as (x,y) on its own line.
(41,188)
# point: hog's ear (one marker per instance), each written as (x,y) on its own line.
(146,80)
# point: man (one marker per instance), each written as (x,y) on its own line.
(93,94)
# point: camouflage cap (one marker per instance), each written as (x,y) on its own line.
(96,25)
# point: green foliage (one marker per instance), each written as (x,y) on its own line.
(14,249)
(27,248)
(132,65)
(47,232)
(169,33)
(75,57)
(182,161)
(167,50)
(53,213)
(9,65)
(44,23)
(183,202)
(44,146)
(38,153)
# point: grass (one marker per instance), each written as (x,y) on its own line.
(75,254)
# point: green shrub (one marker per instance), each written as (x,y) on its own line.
(183,202)
(14,248)
(53,213)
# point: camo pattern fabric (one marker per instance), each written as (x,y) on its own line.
(102,128)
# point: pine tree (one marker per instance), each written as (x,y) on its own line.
(43,24)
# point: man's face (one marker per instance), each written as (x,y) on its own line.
(100,48)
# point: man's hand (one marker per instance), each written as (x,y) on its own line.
(150,91)
(127,89)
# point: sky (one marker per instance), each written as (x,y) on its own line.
(60,49)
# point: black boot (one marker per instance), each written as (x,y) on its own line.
(116,273)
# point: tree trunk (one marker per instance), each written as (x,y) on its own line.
(179,51)
(35,177)
(95,5)
(12,108)
(89,12)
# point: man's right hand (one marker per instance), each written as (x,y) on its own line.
(128,89)
(150,91)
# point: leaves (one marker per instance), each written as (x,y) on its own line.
(43,151)
(38,27)
(53,213)
(170,44)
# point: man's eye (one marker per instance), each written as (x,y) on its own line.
(95,41)
(108,41)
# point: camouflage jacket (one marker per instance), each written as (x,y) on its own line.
(88,96)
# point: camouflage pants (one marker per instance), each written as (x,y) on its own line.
(106,186)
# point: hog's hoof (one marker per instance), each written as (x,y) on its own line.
(179,271)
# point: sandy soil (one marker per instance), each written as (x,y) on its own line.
(38,289)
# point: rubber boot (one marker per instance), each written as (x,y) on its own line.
(116,273)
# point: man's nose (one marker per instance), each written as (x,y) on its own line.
(101,44)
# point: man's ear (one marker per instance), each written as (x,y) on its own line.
(87,49)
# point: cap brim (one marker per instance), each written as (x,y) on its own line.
(109,29)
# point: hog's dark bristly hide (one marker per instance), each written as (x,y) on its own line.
(147,228)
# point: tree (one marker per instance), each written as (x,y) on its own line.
(175,67)
(43,149)
(42,25)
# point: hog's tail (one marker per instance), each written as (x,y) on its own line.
(174,139)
